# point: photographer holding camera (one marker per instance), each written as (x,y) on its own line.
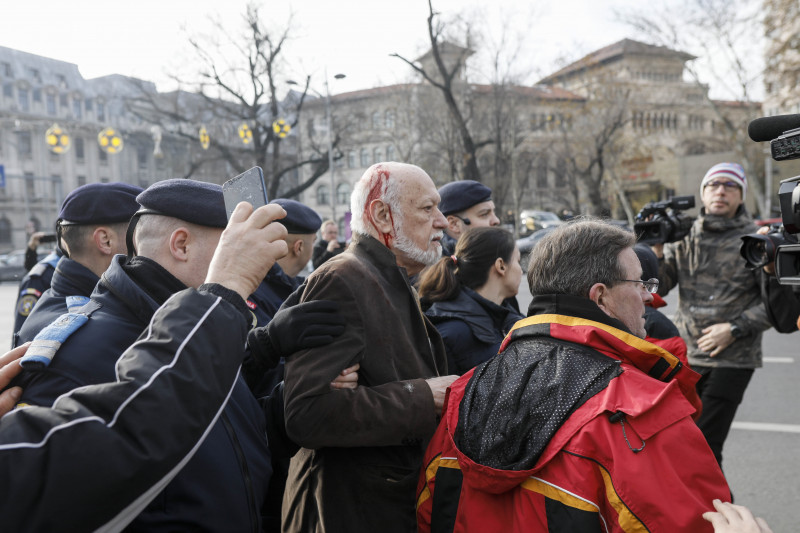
(720,314)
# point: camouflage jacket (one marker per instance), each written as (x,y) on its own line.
(714,287)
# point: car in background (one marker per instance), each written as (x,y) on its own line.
(532,220)
(12,266)
(526,244)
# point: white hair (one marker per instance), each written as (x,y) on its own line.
(375,184)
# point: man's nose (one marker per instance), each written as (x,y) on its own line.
(494,220)
(439,220)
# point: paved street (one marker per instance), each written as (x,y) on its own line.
(761,454)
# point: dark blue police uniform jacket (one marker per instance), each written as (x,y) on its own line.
(69,279)
(32,286)
(265,302)
(222,487)
(472,328)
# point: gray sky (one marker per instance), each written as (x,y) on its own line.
(146,39)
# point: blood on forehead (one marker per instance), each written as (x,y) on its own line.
(379,182)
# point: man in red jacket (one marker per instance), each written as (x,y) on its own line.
(579,424)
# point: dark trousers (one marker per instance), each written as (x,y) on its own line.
(721,391)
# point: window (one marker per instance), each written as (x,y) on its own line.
(62,99)
(351,159)
(541,172)
(79,154)
(8,90)
(50,102)
(22,98)
(102,156)
(24,148)
(390,153)
(7,71)
(37,95)
(390,119)
(81,180)
(365,157)
(141,156)
(561,172)
(377,155)
(62,82)
(30,186)
(88,104)
(101,111)
(103,180)
(77,109)
(377,121)
(34,74)
(55,185)
(323,195)
(343,193)
(5,230)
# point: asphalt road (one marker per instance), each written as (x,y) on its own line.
(761,457)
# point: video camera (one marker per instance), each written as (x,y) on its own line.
(780,244)
(668,223)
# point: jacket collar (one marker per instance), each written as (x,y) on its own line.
(484,317)
(73,279)
(579,320)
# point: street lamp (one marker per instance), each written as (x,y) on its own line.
(329,122)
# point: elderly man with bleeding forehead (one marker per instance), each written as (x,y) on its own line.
(362,449)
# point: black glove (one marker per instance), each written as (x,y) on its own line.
(302,326)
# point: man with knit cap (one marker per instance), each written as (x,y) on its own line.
(466,204)
(720,313)
(91,228)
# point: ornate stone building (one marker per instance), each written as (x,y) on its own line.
(536,141)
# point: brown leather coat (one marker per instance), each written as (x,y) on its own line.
(362,449)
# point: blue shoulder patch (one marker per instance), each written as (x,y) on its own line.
(45,345)
(76,302)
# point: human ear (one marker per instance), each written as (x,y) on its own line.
(102,240)
(381,216)
(598,293)
(179,244)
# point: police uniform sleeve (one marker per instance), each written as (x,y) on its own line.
(101,453)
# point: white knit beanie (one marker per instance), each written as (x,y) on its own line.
(733,171)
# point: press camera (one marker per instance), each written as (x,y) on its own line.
(780,244)
(660,222)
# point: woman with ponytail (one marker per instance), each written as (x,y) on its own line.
(466,291)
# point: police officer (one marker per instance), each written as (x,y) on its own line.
(91,226)
(33,285)
(466,204)
(301,224)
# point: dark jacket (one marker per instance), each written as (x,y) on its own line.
(320,252)
(577,425)
(448,245)
(222,487)
(31,288)
(70,279)
(109,447)
(362,448)
(782,303)
(471,327)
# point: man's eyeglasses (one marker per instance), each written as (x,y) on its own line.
(727,185)
(651,285)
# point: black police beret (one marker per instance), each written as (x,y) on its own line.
(458,196)
(300,219)
(96,203)
(197,202)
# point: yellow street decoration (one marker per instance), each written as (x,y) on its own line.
(205,140)
(281,128)
(57,139)
(245,134)
(110,141)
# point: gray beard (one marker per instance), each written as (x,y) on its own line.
(413,252)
